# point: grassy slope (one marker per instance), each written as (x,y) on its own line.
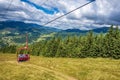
(40,68)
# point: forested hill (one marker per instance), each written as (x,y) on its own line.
(97,30)
(91,45)
(78,32)
(13,32)
(24,27)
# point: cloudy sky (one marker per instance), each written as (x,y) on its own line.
(96,14)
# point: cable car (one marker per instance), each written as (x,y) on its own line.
(23,52)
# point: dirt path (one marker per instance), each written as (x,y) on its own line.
(58,75)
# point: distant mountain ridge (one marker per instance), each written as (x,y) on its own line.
(97,30)
(14,32)
(21,26)
(78,32)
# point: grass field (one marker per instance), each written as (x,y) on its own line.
(41,68)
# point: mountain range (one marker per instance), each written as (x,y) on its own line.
(13,32)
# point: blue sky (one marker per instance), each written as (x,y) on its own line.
(97,14)
(51,11)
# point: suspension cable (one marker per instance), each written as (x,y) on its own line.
(9,5)
(68,12)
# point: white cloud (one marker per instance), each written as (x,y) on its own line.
(97,14)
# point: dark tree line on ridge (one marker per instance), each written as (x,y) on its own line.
(102,45)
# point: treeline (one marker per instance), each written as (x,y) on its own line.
(102,45)
(8,49)
(90,45)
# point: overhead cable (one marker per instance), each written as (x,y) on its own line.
(9,5)
(68,13)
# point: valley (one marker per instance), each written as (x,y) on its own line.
(59,40)
(13,32)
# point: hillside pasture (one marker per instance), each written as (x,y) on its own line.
(42,68)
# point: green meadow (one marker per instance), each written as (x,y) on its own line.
(42,68)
